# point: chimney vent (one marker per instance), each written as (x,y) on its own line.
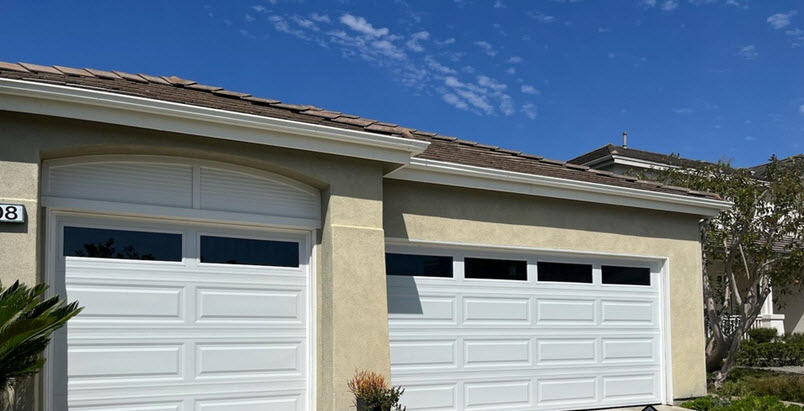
(625,139)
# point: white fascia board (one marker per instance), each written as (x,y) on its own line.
(440,172)
(635,162)
(107,107)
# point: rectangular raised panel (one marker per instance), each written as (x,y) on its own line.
(632,349)
(627,312)
(556,352)
(127,302)
(508,393)
(99,361)
(429,397)
(265,359)
(500,353)
(566,390)
(565,312)
(131,407)
(249,305)
(422,309)
(250,404)
(124,182)
(423,353)
(496,309)
(630,386)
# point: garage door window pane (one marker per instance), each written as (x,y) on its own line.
(121,244)
(490,269)
(565,273)
(225,250)
(418,265)
(626,275)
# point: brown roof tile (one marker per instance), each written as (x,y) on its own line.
(441,148)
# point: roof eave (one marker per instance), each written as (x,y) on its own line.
(114,108)
(455,174)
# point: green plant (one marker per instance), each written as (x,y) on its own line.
(26,324)
(770,354)
(763,335)
(734,389)
(787,387)
(794,338)
(749,403)
(373,393)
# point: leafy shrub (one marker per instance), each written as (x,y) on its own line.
(734,389)
(794,338)
(770,354)
(373,393)
(787,387)
(749,403)
(763,335)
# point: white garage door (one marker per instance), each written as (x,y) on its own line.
(472,330)
(185,317)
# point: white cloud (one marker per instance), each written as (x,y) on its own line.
(438,67)
(387,48)
(498,4)
(246,34)
(304,23)
(321,18)
(510,70)
(683,111)
(249,18)
(515,59)
(669,5)
(445,42)
(528,89)
(748,52)
(781,20)
(649,3)
(486,47)
(801,109)
(455,101)
(507,105)
(413,42)
(259,8)
(486,81)
(530,110)
(749,138)
(540,17)
(360,25)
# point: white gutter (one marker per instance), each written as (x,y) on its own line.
(108,107)
(440,172)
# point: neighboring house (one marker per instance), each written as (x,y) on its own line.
(786,313)
(238,253)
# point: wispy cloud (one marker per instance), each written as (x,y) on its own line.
(801,109)
(749,138)
(683,111)
(669,5)
(530,110)
(649,3)
(781,20)
(528,89)
(360,25)
(541,17)
(486,47)
(748,52)
(415,38)
(499,4)
(321,18)
(515,60)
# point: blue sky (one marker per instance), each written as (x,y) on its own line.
(709,79)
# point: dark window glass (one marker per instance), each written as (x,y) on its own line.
(626,275)
(495,269)
(121,244)
(565,273)
(225,250)
(418,265)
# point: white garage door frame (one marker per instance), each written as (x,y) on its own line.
(481,250)
(57,210)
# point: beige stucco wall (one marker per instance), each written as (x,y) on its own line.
(352,329)
(792,306)
(438,213)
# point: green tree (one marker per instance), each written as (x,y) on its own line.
(759,242)
(27,322)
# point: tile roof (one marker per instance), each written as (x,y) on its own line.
(611,149)
(441,148)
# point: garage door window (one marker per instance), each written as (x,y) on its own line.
(121,244)
(626,275)
(565,273)
(485,268)
(418,265)
(227,250)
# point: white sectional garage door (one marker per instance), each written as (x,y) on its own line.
(182,317)
(471,330)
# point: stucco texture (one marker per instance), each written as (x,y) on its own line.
(352,322)
(428,212)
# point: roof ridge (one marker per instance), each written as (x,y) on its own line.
(368,125)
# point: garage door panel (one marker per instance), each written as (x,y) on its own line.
(478,310)
(250,305)
(424,354)
(495,353)
(628,313)
(632,387)
(422,310)
(149,406)
(632,350)
(571,312)
(566,391)
(436,397)
(236,359)
(497,394)
(103,361)
(288,403)
(562,352)
(123,302)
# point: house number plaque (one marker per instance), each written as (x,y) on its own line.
(12,213)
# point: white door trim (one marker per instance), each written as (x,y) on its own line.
(53,216)
(663,262)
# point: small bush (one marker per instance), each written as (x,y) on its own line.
(763,335)
(734,389)
(770,354)
(373,393)
(749,403)
(794,338)
(787,387)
